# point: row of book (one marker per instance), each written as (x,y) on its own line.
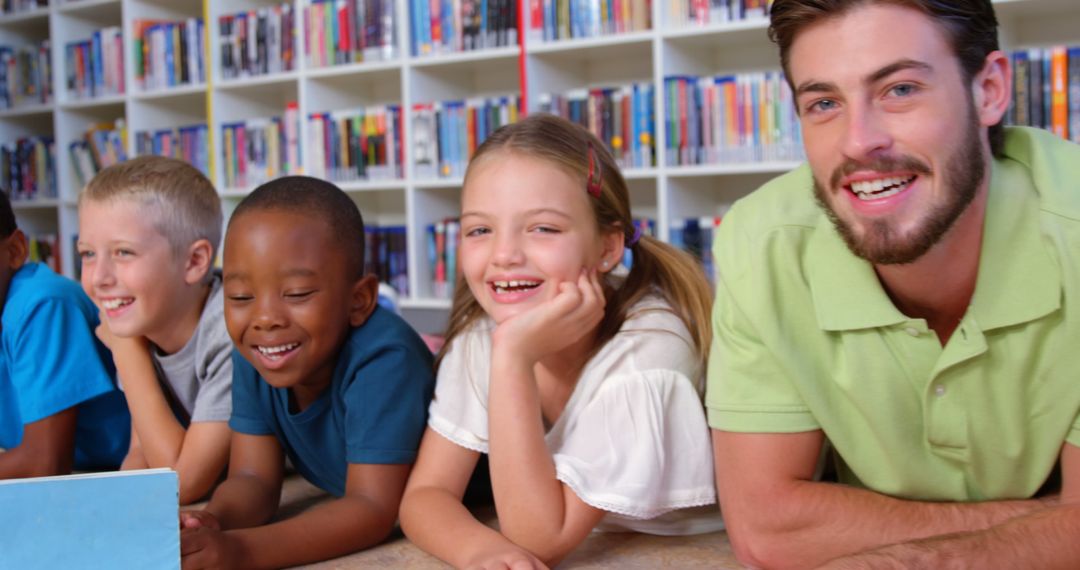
(19,6)
(44,248)
(25,75)
(551,20)
(447,133)
(622,117)
(357,144)
(700,12)
(95,67)
(261,149)
(338,32)
(451,26)
(28,168)
(101,146)
(748,117)
(386,256)
(442,240)
(1046,90)
(257,42)
(168,54)
(695,235)
(190,144)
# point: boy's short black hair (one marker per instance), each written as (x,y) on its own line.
(319,199)
(7,216)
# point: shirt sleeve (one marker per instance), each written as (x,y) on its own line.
(213,403)
(748,390)
(248,416)
(56,361)
(386,405)
(459,410)
(640,447)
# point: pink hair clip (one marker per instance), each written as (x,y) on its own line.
(594,182)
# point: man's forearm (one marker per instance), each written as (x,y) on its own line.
(822,521)
(1042,539)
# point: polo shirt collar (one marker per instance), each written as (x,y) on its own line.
(846,291)
(1018,280)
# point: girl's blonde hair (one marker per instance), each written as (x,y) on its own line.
(657,267)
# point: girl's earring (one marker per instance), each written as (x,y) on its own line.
(604,264)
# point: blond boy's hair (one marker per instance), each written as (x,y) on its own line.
(176,197)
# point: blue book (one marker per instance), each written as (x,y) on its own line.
(121,519)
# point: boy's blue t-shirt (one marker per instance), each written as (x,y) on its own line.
(51,361)
(374,411)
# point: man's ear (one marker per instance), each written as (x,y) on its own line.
(198,261)
(364,298)
(992,89)
(17,249)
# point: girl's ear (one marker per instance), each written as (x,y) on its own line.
(200,258)
(614,241)
(364,299)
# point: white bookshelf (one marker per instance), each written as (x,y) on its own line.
(662,192)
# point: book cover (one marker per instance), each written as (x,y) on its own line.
(122,519)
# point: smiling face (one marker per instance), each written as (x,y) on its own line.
(289,301)
(130,270)
(890,128)
(526,226)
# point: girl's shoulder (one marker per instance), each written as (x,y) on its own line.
(652,337)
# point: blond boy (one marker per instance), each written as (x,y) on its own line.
(149,229)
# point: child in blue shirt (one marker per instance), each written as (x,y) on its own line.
(320,374)
(60,407)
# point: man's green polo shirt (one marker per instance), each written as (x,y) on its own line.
(805,338)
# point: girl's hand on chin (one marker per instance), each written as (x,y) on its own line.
(555,324)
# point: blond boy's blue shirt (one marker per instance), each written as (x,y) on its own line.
(806,338)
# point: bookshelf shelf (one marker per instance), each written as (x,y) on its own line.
(258,82)
(25,17)
(359,68)
(97,102)
(470,57)
(170,92)
(669,195)
(85,6)
(41,204)
(27,111)
(609,41)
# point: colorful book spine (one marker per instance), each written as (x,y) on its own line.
(622,117)
(443,240)
(730,119)
(188,143)
(8,7)
(168,53)
(349,31)
(386,256)
(44,248)
(357,144)
(258,150)
(95,67)
(25,75)
(704,12)
(28,168)
(1046,90)
(101,146)
(257,42)
(695,235)
(451,26)
(447,133)
(553,20)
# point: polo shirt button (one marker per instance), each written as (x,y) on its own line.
(912,331)
(939,390)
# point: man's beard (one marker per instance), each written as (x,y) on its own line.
(880,244)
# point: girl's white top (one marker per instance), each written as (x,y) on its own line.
(632,439)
